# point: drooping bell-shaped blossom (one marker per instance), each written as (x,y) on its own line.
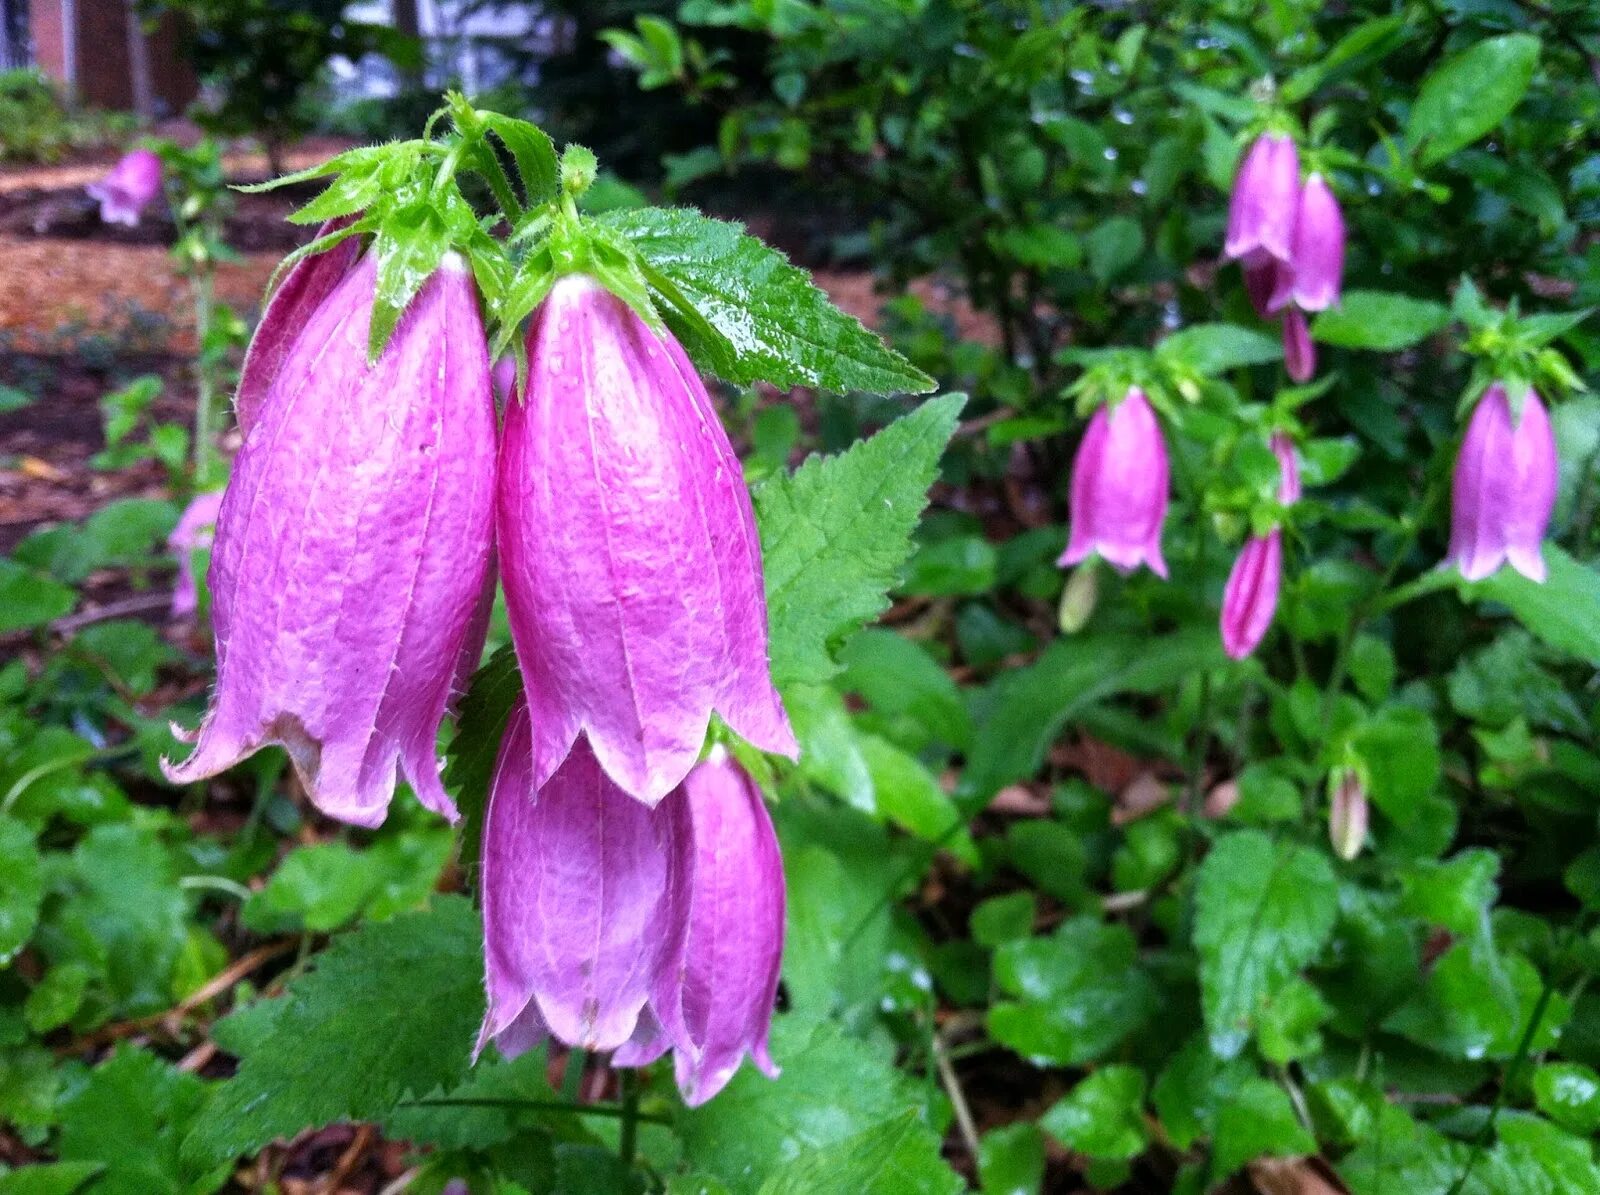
(192,533)
(353,551)
(717,1006)
(1348,813)
(128,188)
(1266,192)
(585,900)
(303,289)
(1299,354)
(629,552)
(1118,499)
(1250,598)
(1504,488)
(1315,273)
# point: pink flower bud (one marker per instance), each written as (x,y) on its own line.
(505,378)
(128,188)
(354,549)
(1261,212)
(718,1006)
(1119,487)
(584,900)
(1288,469)
(1504,488)
(631,562)
(1347,813)
(1315,272)
(1250,598)
(193,532)
(304,288)
(1299,354)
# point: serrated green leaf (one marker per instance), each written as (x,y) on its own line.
(780,327)
(533,153)
(29,600)
(21,887)
(1103,1116)
(49,1178)
(1469,94)
(836,533)
(1259,1121)
(1074,995)
(1031,705)
(898,1157)
(470,757)
(410,244)
(1011,1160)
(1263,910)
(1569,1094)
(130,1117)
(1476,1004)
(1370,319)
(388,1012)
(831,1089)
(1564,611)
(1212,349)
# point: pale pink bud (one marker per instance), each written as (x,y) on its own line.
(1504,488)
(1118,499)
(129,188)
(1348,814)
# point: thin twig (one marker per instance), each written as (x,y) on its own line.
(139,603)
(958,1099)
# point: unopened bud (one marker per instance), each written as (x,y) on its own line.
(1347,813)
(1078,599)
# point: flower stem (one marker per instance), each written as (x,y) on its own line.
(627,1144)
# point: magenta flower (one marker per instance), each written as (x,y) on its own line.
(1261,211)
(193,532)
(718,1006)
(1250,598)
(585,896)
(304,288)
(1315,272)
(1504,488)
(1119,487)
(631,562)
(353,551)
(128,188)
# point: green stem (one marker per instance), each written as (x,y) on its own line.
(495,174)
(572,1077)
(628,1140)
(204,433)
(609,1111)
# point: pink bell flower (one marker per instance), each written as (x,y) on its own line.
(584,901)
(1261,210)
(130,187)
(1299,353)
(1504,488)
(353,551)
(717,1007)
(1315,273)
(1250,598)
(630,557)
(304,289)
(1118,499)
(193,532)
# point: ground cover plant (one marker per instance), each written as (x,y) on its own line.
(1132,727)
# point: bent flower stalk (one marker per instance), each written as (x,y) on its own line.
(353,551)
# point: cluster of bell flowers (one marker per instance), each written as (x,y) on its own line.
(1289,237)
(632,893)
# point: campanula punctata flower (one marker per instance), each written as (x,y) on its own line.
(1118,498)
(353,550)
(1504,488)
(128,188)
(1250,598)
(629,553)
